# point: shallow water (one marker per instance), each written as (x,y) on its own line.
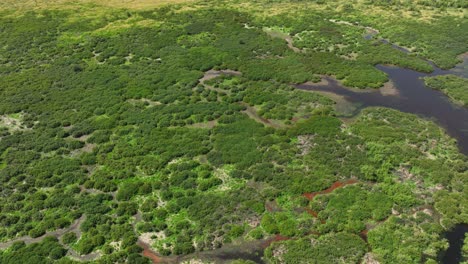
(409,95)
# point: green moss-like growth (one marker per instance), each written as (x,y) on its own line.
(455,87)
(318,250)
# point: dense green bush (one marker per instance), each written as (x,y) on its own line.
(455,87)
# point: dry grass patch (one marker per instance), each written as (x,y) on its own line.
(52,4)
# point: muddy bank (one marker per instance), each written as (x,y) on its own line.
(245,250)
(152,255)
(334,186)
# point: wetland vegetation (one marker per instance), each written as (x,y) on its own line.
(455,87)
(170,133)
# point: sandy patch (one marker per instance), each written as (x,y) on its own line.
(12,122)
(144,100)
(195,261)
(389,89)
(323,82)
(369,258)
(151,237)
(211,74)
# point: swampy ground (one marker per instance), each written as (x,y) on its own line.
(233,131)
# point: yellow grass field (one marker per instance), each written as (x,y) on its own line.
(50,4)
(260,8)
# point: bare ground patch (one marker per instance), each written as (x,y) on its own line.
(144,101)
(12,122)
(211,74)
(389,89)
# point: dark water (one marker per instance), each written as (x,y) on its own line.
(413,97)
(455,237)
